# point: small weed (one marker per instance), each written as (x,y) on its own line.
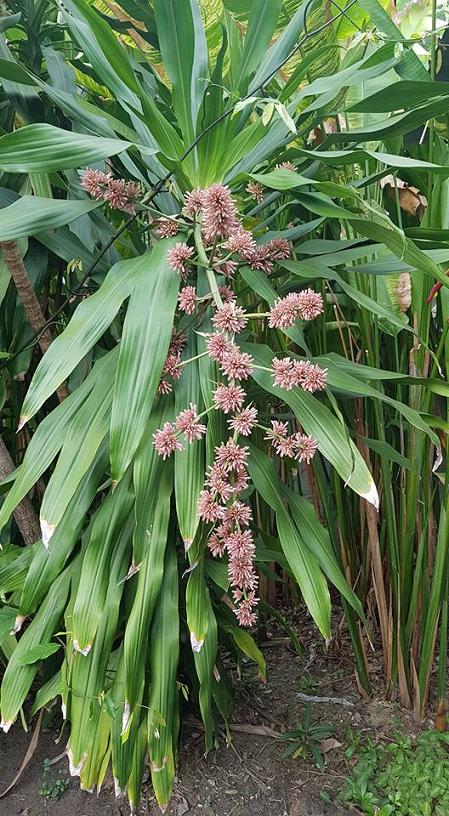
(307,683)
(54,784)
(404,778)
(305,739)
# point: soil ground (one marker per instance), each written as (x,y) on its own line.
(250,777)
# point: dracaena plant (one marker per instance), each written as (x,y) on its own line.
(203,408)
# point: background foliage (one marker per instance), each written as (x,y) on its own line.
(176,95)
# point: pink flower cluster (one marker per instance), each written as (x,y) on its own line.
(166,228)
(171,367)
(286,165)
(288,374)
(220,501)
(187,299)
(219,504)
(166,439)
(255,190)
(305,305)
(298,446)
(118,193)
(222,229)
(178,256)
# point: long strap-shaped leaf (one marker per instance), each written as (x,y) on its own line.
(110,524)
(102,48)
(147,467)
(261,25)
(318,421)
(145,341)
(48,563)
(184,52)
(190,462)
(49,437)
(303,562)
(164,657)
(88,673)
(88,324)
(30,215)
(85,436)
(18,677)
(202,625)
(42,148)
(147,592)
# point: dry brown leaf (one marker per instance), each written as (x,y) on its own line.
(28,756)
(329,745)
(404,291)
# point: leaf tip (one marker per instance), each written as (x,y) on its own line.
(22,422)
(47,531)
(196,642)
(18,624)
(75,770)
(119,792)
(372,496)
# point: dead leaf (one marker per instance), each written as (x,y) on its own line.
(329,745)
(28,756)
(404,291)
(411,200)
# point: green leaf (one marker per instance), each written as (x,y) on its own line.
(38,653)
(277,53)
(90,320)
(49,437)
(85,436)
(261,25)
(30,215)
(410,64)
(303,563)
(321,204)
(395,125)
(184,52)
(316,539)
(190,462)
(46,693)
(343,157)
(47,563)
(285,116)
(143,350)
(7,620)
(18,678)
(149,583)
(318,421)
(102,48)
(42,148)
(14,72)
(112,524)
(164,658)
(248,646)
(400,95)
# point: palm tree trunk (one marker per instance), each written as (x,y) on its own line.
(24,515)
(34,313)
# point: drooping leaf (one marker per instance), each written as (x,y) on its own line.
(143,350)
(42,148)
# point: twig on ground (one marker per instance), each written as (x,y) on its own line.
(313,698)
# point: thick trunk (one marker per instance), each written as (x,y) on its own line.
(34,313)
(24,515)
